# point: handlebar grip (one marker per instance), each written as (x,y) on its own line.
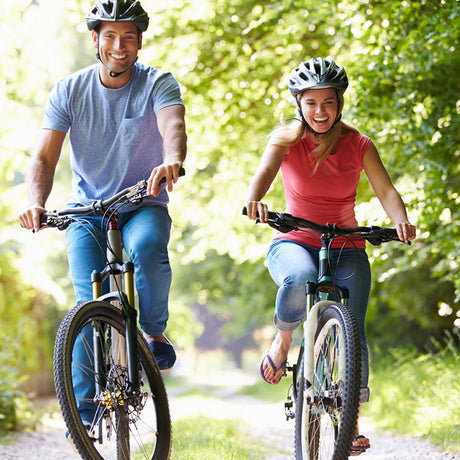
(181,173)
(271,215)
(43,218)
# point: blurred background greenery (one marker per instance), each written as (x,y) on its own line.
(232,59)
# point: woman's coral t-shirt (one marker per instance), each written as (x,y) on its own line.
(327,196)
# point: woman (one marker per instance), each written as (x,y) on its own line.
(321,159)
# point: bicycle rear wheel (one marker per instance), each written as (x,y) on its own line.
(126,423)
(327,408)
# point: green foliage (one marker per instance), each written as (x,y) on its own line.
(408,307)
(232,58)
(15,409)
(417,394)
(403,64)
(405,79)
(26,340)
(223,293)
(8,394)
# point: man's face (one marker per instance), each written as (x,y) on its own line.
(119,43)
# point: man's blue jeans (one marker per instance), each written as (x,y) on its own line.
(145,234)
(292,264)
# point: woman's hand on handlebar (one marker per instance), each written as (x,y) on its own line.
(30,218)
(406,231)
(257,210)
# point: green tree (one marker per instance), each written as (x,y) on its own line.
(403,63)
(232,59)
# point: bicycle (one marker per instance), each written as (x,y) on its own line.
(132,418)
(326,377)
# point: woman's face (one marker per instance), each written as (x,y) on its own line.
(319,108)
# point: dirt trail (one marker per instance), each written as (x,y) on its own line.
(267,423)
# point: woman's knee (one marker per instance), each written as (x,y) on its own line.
(297,280)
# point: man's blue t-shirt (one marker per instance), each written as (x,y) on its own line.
(113,132)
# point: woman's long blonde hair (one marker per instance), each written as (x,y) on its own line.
(288,135)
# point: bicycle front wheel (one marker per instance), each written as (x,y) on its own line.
(327,408)
(107,418)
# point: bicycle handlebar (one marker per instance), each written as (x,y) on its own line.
(134,194)
(285,223)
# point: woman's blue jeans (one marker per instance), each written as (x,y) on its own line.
(292,264)
(145,233)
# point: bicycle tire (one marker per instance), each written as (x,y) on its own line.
(145,416)
(325,424)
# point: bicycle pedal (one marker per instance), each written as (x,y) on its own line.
(290,414)
(288,405)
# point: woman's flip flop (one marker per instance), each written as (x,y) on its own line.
(272,365)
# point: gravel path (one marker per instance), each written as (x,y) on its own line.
(267,423)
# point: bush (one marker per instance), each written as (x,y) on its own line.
(418,394)
(26,340)
(13,403)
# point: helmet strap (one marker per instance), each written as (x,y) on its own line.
(117,74)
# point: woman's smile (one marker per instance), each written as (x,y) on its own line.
(319,108)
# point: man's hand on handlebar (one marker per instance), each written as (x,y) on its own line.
(167,172)
(30,218)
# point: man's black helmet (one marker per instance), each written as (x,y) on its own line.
(117,11)
(318,73)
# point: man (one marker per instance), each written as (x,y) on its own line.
(126,123)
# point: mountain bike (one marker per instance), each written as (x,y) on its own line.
(327,373)
(132,418)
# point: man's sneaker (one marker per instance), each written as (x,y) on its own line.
(164,353)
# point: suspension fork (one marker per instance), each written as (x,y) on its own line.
(122,295)
(310,325)
(125,278)
(131,326)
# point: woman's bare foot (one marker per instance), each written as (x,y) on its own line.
(278,354)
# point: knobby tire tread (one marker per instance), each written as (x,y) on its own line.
(80,315)
(352,349)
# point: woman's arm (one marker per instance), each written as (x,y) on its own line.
(269,166)
(387,194)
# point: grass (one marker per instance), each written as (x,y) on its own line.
(411,393)
(417,394)
(203,438)
(268,393)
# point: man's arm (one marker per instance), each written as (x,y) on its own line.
(40,176)
(171,125)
